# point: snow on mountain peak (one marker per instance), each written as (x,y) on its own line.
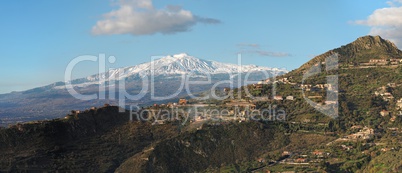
(179,64)
(181,55)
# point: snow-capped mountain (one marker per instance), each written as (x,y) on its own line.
(55,100)
(181,64)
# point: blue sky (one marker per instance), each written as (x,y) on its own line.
(39,38)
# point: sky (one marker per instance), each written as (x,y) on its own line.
(40,38)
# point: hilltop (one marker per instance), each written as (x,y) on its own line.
(362,50)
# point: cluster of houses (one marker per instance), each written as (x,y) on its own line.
(312,157)
(181,102)
(75,113)
(376,62)
(274,80)
(364,133)
(383,92)
(285,81)
(243,104)
(317,87)
(276,97)
(239,108)
(279,97)
(346,147)
(305,87)
(392,61)
(240,118)
(260,84)
(385,113)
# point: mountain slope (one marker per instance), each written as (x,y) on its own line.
(358,79)
(369,90)
(54,100)
(179,64)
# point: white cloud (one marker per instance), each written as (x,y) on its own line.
(265,53)
(394,3)
(139,17)
(270,53)
(245,45)
(255,49)
(386,22)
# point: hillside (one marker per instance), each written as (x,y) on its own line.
(363,136)
(369,95)
(210,147)
(104,140)
(97,140)
(357,83)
